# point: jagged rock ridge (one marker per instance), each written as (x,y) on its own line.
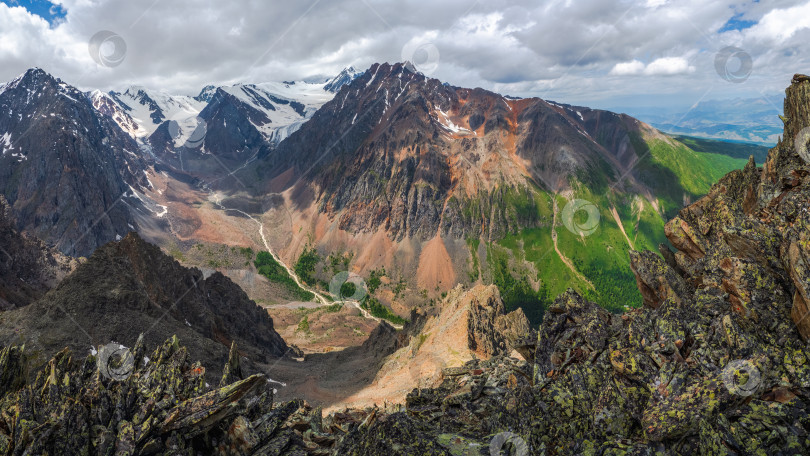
(161,405)
(130,287)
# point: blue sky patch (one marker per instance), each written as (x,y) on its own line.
(42,8)
(737,23)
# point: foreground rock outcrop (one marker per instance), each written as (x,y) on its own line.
(466,325)
(130,403)
(122,402)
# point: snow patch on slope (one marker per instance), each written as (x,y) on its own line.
(444,120)
(106,105)
(285,105)
(150,108)
(5,142)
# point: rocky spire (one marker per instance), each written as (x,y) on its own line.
(232,370)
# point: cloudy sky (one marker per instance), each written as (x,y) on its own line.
(599,53)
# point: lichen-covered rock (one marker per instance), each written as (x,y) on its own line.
(12,369)
(395,434)
(490,330)
(162,406)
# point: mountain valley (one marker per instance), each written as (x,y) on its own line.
(394,176)
(455,196)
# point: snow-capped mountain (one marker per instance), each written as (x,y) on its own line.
(274,109)
(206,94)
(222,120)
(151,108)
(282,107)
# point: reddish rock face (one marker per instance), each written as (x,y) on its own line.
(398,150)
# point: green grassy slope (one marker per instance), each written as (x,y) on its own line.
(530,273)
(267,266)
(678,174)
(729,148)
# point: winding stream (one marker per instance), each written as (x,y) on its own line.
(292,273)
(321,299)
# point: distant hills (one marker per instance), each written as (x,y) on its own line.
(754,120)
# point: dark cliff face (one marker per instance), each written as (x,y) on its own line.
(65,167)
(130,287)
(398,150)
(28,268)
(232,126)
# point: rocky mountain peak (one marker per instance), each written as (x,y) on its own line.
(206,94)
(38,81)
(797,98)
(445,152)
(346,76)
(36,76)
(410,66)
(130,287)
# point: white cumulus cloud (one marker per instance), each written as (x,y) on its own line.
(665,66)
(780,24)
(668,66)
(628,68)
(556,50)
